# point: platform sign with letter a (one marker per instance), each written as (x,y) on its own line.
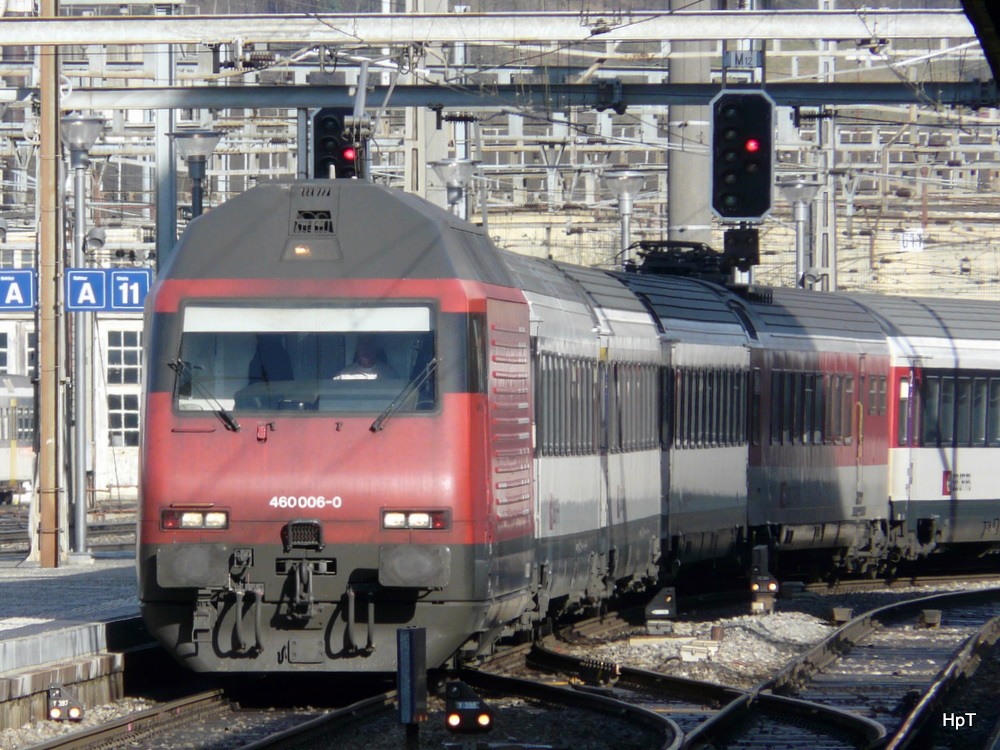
(17,290)
(107,289)
(86,290)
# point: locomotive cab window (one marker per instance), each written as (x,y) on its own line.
(308,358)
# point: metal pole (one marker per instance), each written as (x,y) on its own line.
(166,168)
(48,261)
(801,215)
(625,209)
(80,390)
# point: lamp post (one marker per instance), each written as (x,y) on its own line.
(456,175)
(624,184)
(79,133)
(195,147)
(800,191)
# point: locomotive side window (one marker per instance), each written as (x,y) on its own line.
(334,359)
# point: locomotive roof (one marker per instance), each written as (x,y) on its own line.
(352,229)
(934,317)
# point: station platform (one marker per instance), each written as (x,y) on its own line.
(63,626)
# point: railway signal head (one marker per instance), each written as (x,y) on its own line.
(466,712)
(335,153)
(742,155)
(63,705)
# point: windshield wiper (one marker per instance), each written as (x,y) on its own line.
(404,394)
(181,367)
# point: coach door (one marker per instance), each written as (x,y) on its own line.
(857,401)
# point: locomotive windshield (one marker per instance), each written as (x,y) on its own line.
(309,358)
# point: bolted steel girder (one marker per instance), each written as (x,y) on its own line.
(472,28)
(550,97)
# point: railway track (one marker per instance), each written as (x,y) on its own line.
(898,662)
(707,713)
(814,702)
(877,681)
(209,719)
(102,537)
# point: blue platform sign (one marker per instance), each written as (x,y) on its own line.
(17,290)
(107,289)
(129,288)
(86,290)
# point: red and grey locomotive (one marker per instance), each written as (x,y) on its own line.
(361,415)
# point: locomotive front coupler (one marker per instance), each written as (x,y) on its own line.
(301,602)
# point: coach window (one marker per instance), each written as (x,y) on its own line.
(819,414)
(788,408)
(730,412)
(711,409)
(993,414)
(704,408)
(903,412)
(755,415)
(872,395)
(930,417)
(808,407)
(776,378)
(666,382)
(947,413)
(882,395)
(849,401)
(836,408)
(963,412)
(562,411)
(979,408)
(684,407)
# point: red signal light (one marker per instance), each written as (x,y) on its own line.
(752,145)
(349,153)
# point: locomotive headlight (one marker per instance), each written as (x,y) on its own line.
(419,520)
(393,520)
(194,519)
(415,519)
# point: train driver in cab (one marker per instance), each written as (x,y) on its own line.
(370,361)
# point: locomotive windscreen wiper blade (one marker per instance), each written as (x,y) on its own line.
(180,367)
(404,394)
